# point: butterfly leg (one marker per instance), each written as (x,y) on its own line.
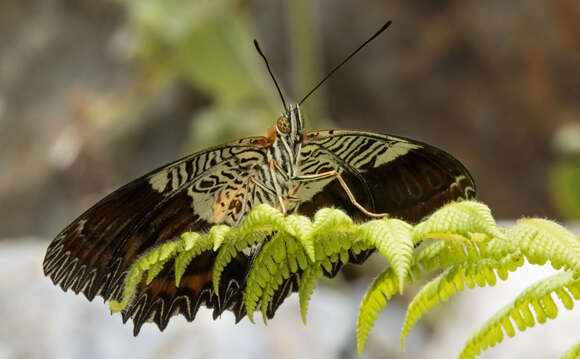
(270,191)
(337,175)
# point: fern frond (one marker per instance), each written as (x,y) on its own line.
(453,279)
(461,239)
(331,247)
(332,231)
(153,261)
(272,266)
(442,254)
(458,221)
(393,238)
(464,231)
(375,300)
(258,225)
(538,296)
(302,229)
(572,353)
(331,219)
(300,245)
(541,240)
(236,242)
(263,216)
(306,287)
(194,245)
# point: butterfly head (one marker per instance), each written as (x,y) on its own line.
(289,127)
(285,140)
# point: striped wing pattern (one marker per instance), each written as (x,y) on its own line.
(387,174)
(92,255)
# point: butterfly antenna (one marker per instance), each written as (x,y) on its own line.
(383,28)
(271,74)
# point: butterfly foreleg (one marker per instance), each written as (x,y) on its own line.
(335,174)
(271,191)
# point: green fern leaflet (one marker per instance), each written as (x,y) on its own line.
(461,241)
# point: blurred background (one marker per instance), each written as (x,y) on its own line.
(96,93)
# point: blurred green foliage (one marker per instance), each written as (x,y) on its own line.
(206,42)
(207,45)
(565,187)
(565,173)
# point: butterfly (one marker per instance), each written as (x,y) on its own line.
(365,174)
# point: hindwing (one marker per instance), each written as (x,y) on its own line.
(93,254)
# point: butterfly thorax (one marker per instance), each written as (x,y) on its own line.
(285,150)
(262,171)
(283,156)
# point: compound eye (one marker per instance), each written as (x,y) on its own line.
(283,125)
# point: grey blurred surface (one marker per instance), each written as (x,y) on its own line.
(40,321)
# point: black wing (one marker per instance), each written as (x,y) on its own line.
(402,177)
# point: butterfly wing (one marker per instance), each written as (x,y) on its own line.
(93,254)
(386,174)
